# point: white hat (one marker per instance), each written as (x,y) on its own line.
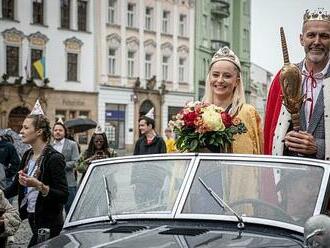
(99,130)
(151,113)
(37,110)
(60,120)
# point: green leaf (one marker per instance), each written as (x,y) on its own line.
(193,145)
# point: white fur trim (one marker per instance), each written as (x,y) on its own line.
(281,129)
(326,92)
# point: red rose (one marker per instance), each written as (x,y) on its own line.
(226,119)
(189,118)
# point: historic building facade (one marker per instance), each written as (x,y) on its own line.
(59,36)
(260,81)
(221,23)
(144,60)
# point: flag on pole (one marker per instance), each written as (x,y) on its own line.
(40,67)
(27,66)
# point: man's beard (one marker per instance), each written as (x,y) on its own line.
(58,139)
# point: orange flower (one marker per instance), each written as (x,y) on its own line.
(236,121)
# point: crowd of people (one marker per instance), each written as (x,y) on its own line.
(45,178)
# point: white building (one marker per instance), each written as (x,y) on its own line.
(144,60)
(61,32)
(260,80)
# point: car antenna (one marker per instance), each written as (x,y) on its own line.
(222,204)
(108,195)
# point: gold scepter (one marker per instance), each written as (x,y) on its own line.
(290,80)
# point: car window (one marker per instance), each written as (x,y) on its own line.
(135,187)
(276,191)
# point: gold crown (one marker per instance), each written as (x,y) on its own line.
(316,15)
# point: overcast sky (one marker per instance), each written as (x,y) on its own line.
(266,19)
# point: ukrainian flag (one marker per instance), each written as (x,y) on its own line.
(40,66)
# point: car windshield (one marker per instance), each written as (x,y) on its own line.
(169,187)
(135,187)
(275,191)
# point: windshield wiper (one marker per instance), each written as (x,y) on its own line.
(223,204)
(108,195)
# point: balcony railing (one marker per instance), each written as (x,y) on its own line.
(220,8)
(217,44)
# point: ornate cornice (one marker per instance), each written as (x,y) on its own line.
(114,36)
(73,43)
(132,39)
(183,49)
(13,35)
(150,42)
(38,39)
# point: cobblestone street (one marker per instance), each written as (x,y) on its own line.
(23,235)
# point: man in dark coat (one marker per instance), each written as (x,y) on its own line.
(149,142)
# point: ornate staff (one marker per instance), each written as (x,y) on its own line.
(290,80)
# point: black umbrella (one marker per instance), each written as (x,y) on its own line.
(79,125)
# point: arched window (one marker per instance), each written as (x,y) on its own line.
(145,107)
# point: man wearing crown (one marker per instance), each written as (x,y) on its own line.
(313,138)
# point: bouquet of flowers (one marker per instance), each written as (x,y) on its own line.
(201,125)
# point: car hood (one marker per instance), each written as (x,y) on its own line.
(167,236)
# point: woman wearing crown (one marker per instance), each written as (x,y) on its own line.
(40,183)
(98,148)
(225,89)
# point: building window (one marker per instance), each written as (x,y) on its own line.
(166,20)
(130,14)
(182,63)
(12,61)
(112,11)
(65,14)
(246,39)
(8,9)
(72,69)
(112,61)
(165,68)
(36,54)
(172,112)
(130,61)
(38,12)
(82,15)
(115,125)
(148,19)
(148,66)
(182,25)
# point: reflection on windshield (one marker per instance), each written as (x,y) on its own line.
(135,187)
(277,191)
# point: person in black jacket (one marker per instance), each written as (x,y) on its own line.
(40,183)
(149,142)
(9,159)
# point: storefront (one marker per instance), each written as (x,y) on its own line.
(17,101)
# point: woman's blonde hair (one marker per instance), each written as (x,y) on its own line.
(238,96)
